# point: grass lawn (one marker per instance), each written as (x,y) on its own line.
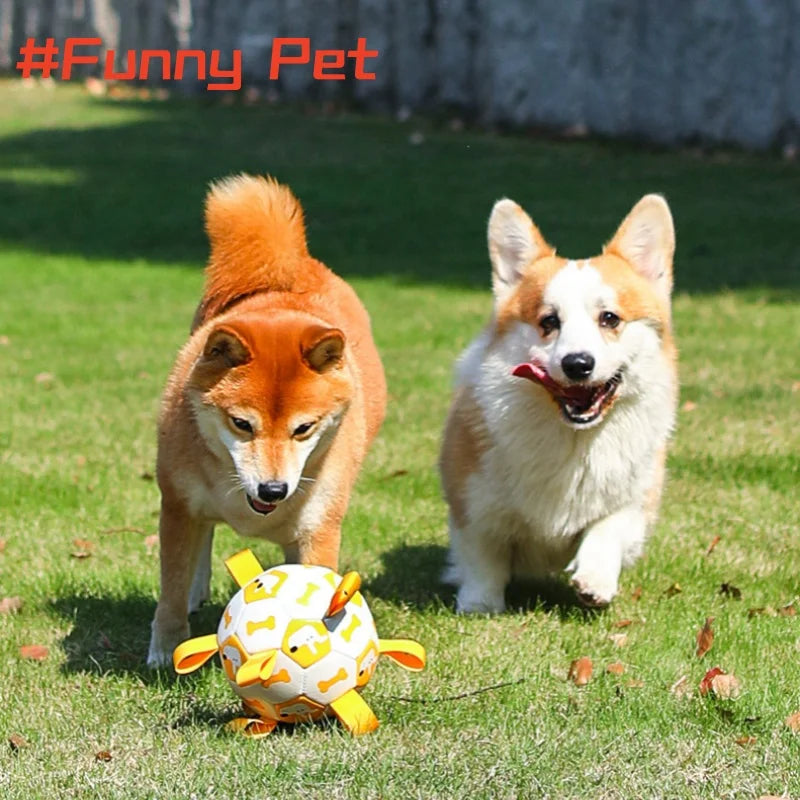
(102,248)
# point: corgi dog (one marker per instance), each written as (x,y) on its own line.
(270,407)
(554,447)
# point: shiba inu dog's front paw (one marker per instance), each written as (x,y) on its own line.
(162,644)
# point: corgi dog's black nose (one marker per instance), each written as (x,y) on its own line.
(578,366)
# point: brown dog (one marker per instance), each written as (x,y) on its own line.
(270,407)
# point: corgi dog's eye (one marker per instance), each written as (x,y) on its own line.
(549,323)
(301,430)
(242,424)
(608,319)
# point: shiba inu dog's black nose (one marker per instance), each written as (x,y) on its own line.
(577,366)
(271,491)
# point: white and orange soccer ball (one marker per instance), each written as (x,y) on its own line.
(297,642)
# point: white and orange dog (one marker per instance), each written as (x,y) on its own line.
(554,448)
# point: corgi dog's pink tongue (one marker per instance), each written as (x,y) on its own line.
(538,374)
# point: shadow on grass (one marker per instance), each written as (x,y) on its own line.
(117,181)
(111,635)
(412,576)
(197,713)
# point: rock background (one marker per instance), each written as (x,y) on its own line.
(688,70)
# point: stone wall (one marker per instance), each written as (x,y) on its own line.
(710,70)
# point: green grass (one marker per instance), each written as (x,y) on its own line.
(102,246)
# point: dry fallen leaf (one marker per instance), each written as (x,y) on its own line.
(580,671)
(681,687)
(17,742)
(150,542)
(729,590)
(673,590)
(793,721)
(35,652)
(2,545)
(617,668)
(789,610)
(618,639)
(744,741)
(623,623)
(725,686)
(95,86)
(705,638)
(102,755)
(762,611)
(689,405)
(83,548)
(705,684)
(714,542)
(636,594)
(10,605)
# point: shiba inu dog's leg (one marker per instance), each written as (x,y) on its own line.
(200,590)
(184,544)
(606,545)
(320,546)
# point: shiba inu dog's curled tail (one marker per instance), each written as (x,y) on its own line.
(258,242)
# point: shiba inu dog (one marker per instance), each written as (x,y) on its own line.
(554,448)
(271,405)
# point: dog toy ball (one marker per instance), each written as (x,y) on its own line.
(297,642)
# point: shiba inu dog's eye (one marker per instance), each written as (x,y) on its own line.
(242,424)
(300,430)
(608,319)
(549,323)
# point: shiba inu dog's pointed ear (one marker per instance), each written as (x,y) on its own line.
(322,348)
(514,242)
(225,348)
(646,240)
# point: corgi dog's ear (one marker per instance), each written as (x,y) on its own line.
(514,243)
(646,240)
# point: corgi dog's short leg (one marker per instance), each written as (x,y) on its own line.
(480,566)
(606,545)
